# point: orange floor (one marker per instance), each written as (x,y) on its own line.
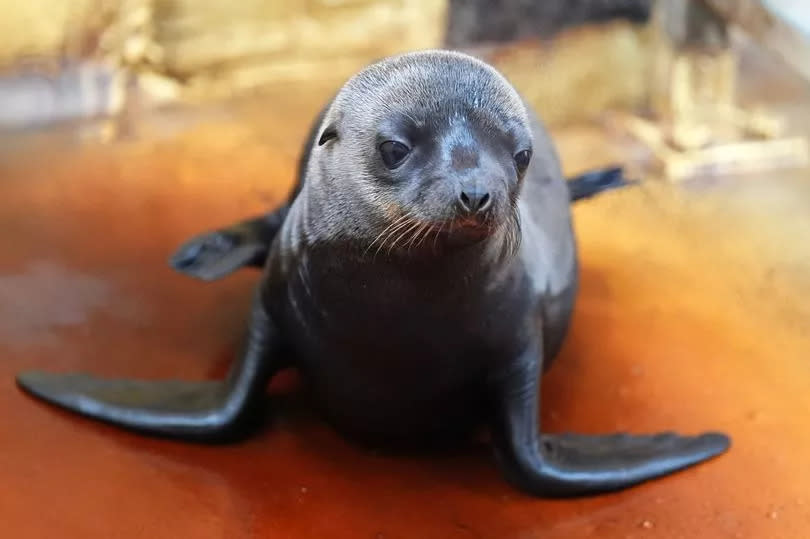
(693,315)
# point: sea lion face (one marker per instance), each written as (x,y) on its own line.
(441,141)
(451,166)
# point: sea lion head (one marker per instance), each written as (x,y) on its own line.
(425,146)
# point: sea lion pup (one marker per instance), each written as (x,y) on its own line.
(423,277)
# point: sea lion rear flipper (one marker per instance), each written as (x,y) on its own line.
(563,465)
(216,254)
(202,411)
(596,181)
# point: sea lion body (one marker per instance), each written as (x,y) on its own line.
(398,347)
(421,277)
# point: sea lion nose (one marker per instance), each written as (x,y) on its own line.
(474,200)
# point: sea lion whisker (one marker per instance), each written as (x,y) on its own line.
(426,234)
(403,235)
(400,226)
(409,233)
(412,236)
(438,233)
(515,235)
(412,243)
(398,220)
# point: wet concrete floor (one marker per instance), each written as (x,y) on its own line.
(693,315)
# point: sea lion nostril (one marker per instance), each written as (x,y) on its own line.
(473,201)
(484,201)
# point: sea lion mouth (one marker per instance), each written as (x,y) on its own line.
(411,234)
(469,229)
(482,222)
(468,223)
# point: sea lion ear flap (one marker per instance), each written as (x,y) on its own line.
(328,134)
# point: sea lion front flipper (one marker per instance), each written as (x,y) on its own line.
(576,464)
(596,181)
(216,254)
(200,411)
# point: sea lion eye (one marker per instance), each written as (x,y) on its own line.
(393,153)
(522,160)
